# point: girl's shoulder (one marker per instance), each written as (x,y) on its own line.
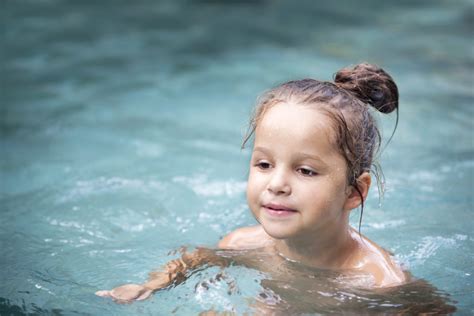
(379,263)
(250,237)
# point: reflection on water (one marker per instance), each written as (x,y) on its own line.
(289,288)
(326,296)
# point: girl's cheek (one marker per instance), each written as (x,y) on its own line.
(254,188)
(256,182)
(250,188)
(253,178)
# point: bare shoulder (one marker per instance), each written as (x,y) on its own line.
(245,238)
(378,262)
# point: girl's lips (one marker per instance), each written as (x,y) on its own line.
(278,210)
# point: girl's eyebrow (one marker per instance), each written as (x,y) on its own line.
(300,156)
(263,150)
(312,157)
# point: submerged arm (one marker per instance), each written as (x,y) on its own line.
(174,272)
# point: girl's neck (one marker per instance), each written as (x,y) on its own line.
(330,249)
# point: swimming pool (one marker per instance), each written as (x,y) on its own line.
(121,133)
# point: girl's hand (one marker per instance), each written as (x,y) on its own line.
(127,293)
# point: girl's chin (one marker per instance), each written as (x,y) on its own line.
(276,231)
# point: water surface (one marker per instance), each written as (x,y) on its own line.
(121,131)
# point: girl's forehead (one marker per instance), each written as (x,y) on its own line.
(299,120)
(296,127)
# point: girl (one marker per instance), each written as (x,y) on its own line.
(310,166)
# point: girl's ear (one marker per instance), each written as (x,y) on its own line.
(354,199)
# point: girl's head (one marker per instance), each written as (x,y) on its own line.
(330,124)
(346,102)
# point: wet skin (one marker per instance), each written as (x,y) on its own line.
(299,193)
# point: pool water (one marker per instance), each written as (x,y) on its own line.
(121,131)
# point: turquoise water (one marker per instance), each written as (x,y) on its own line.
(121,132)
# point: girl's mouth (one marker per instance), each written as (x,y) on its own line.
(278,210)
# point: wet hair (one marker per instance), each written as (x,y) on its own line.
(346,102)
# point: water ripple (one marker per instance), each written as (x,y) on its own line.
(202,186)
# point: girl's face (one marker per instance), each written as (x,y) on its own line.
(297,183)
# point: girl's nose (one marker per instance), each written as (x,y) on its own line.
(278,184)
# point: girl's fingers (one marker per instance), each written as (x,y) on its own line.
(103,293)
(126,293)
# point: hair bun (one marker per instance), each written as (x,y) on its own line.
(371,84)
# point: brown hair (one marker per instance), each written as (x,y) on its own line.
(345,101)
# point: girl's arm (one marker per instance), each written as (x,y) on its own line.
(174,272)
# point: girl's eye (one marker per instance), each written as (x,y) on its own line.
(307,172)
(263,165)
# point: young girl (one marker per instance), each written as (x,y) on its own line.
(310,166)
